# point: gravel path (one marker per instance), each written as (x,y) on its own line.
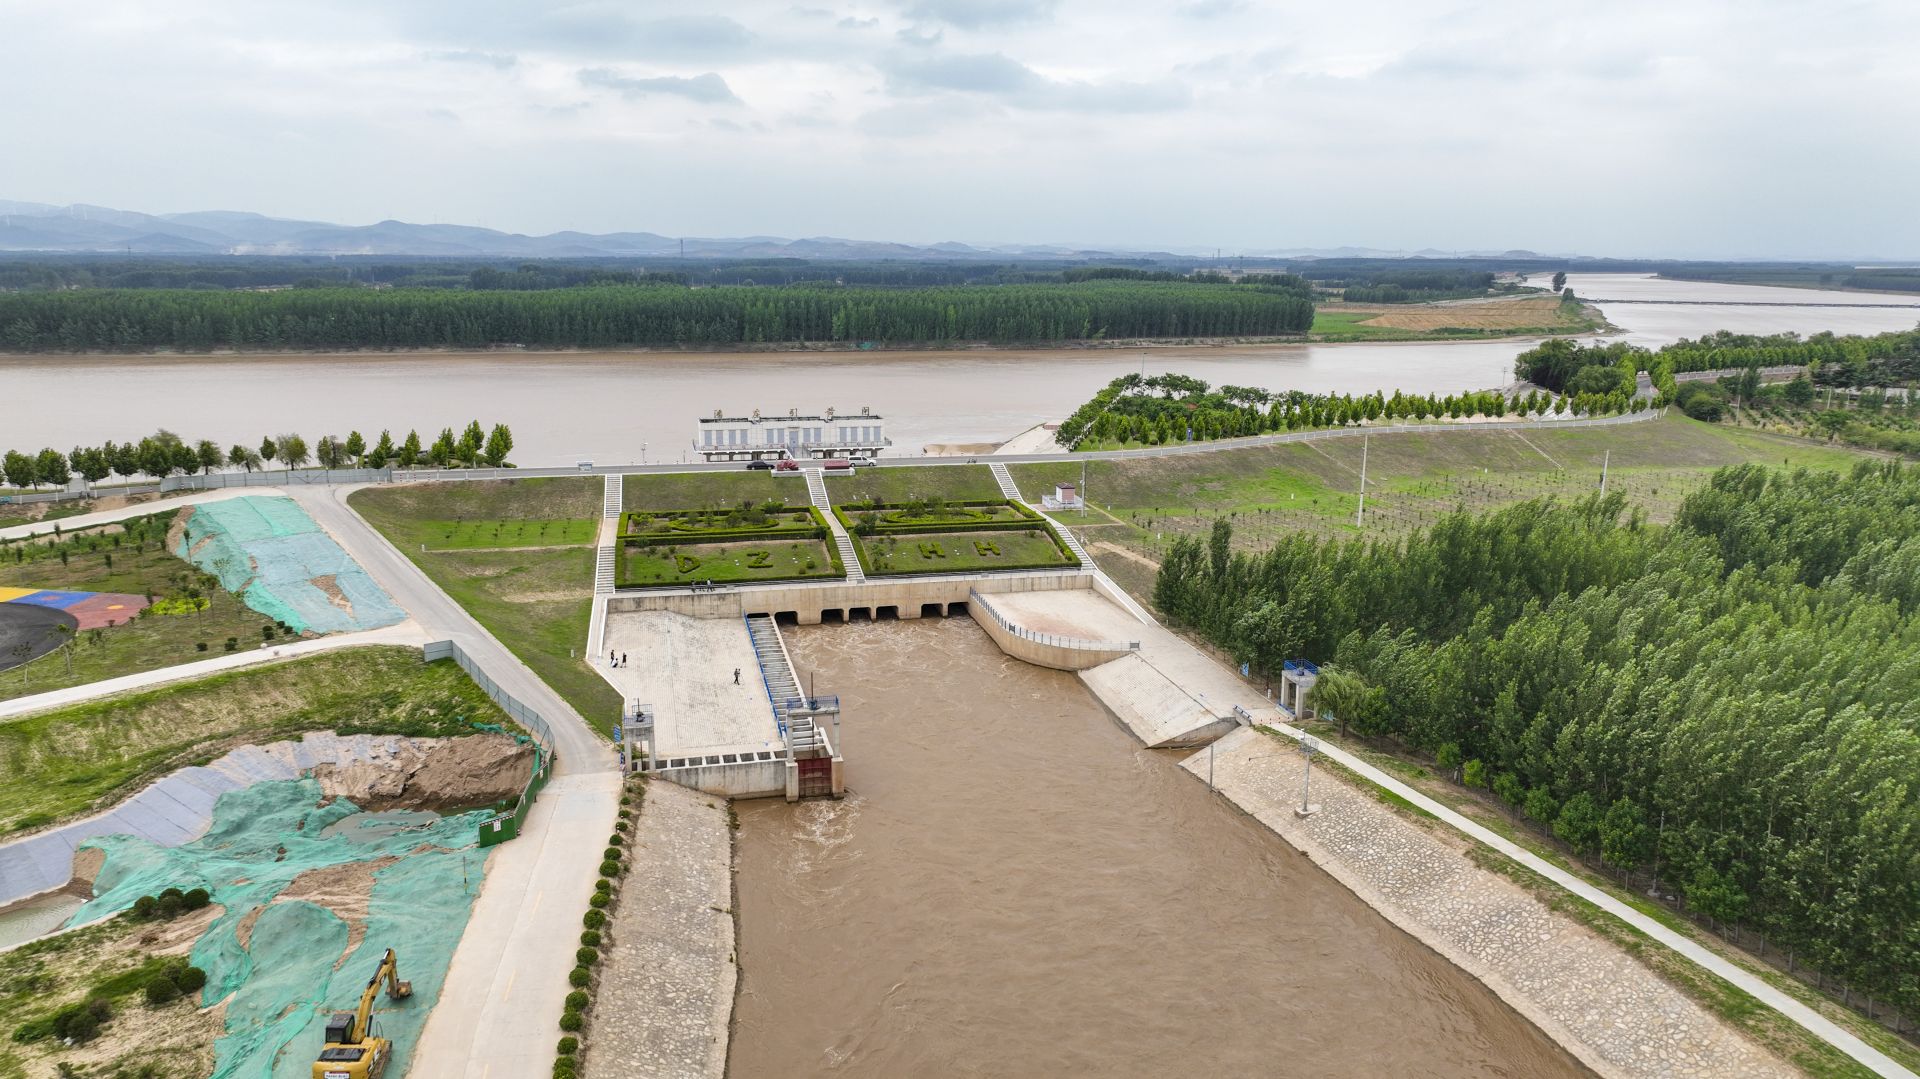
(666,987)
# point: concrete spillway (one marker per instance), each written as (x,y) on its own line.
(1163,689)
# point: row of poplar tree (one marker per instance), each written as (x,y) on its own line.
(164,453)
(645,314)
(1179,408)
(1730,704)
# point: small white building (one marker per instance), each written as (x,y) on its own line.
(721,437)
(1065,496)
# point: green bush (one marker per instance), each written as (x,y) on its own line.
(145,907)
(161,990)
(590,938)
(612,855)
(578,977)
(586,957)
(604,884)
(189,979)
(170,906)
(563,1067)
(599,900)
(197,898)
(577,1000)
(616,839)
(595,919)
(568,1046)
(609,868)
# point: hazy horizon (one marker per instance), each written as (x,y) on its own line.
(1633,131)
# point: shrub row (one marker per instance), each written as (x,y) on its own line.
(593,937)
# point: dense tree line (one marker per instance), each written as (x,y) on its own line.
(1731,703)
(1407,286)
(613,316)
(164,454)
(1177,408)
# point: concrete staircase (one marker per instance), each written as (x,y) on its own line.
(817,491)
(1066,536)
(603,570)
(1012,491)
(603,557)
(610,497)
(1005,480)
(776,669)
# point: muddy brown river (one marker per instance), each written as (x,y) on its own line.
(1017,888)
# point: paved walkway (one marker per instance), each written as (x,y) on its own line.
(666,983)
(405,633)
(1616,1015)
(499,1012)
(139,509)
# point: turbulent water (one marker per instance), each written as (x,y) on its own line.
(617,407)
(1016,887)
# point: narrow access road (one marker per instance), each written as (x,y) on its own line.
(406,633)
(498,1015)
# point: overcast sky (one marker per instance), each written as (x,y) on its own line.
(1678,128)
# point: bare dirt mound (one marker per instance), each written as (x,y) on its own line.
(440,774)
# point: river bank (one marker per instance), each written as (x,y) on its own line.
(1602,1005)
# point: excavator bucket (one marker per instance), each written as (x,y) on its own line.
(402,990)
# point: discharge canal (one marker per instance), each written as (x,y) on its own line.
(1016,887)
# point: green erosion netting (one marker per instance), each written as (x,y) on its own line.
(284,983)
(269,552)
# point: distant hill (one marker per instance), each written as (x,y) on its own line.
(31,226)
(37,227)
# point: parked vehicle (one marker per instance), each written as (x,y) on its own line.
(863,462)
(761,464)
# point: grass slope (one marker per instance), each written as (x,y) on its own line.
(538,603)
(1413,479)
(65,762)
(701,490)
(489,513)
(883,484)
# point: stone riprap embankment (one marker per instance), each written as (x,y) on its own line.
(665,996)
(1617,1016)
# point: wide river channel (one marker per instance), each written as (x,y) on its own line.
(1016,887)
(628,406)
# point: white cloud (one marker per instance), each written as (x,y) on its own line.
(1639,127)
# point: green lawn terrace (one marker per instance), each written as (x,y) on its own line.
(933,535)
(751,542)
(962,552)
(739,562)
(768,518)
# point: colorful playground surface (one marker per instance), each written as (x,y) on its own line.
(90,610)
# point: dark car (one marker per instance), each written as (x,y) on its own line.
(763,466)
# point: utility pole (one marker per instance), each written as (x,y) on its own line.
(1083,488)
(1605,460)
(1308,747)
(1360,518)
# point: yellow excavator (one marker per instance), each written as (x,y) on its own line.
(353,1049)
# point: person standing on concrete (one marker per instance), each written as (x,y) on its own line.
(623,659)
(736,676)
